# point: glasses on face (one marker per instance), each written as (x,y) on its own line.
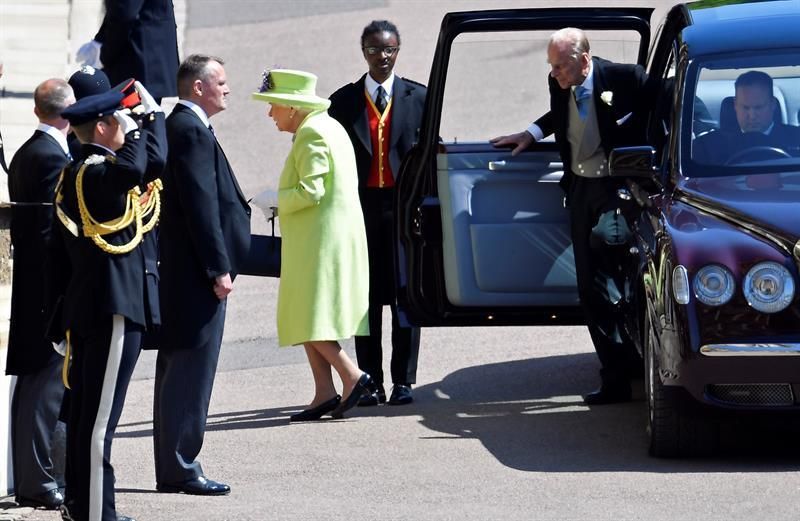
(389,51)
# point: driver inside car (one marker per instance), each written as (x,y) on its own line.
(759,136)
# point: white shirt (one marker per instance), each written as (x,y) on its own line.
(56,134)
(372,87)
(196,109)
(587,84)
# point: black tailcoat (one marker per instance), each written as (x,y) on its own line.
(204,231)
(140,41)
(33,175)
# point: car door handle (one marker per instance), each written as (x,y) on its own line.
(501,164)
(496,165)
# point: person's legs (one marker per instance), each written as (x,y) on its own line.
(335,356)
(37,401)
(324,389)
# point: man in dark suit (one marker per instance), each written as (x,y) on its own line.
(595,106)
(137,39)
(205,236)
(99,208)
(32,179)
(758,136)
(381,113)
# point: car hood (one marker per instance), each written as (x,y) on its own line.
(763,203)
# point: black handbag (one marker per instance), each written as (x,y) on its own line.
(264,257)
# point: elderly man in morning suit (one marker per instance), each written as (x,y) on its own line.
(32,178)
(204,239)
(594,107)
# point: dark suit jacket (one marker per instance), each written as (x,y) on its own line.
(140,41)
(100,284)
(32,178)
(717,146)
(630,89)
(204,231)
(349,107)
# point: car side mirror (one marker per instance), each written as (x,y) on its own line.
(633,162)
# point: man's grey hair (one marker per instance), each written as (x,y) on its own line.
(195,67)
(573,36)
(51,98)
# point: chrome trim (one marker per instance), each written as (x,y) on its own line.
(790,349)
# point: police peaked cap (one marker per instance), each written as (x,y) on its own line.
(88,81)
(92,107)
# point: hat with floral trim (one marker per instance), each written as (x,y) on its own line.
(291,88)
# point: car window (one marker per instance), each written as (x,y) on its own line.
(752,126)
(497,82)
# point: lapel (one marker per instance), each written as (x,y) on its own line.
(361,123)
(400,91)
(604,112)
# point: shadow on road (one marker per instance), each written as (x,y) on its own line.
(529,414)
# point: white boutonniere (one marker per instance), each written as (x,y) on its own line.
(607,96)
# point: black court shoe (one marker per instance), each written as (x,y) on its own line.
(315,413)
(363,386)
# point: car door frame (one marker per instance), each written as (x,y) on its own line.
(419,272)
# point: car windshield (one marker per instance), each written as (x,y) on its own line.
(744,115)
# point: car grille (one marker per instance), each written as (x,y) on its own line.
(774,395)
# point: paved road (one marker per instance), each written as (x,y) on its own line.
(498,430)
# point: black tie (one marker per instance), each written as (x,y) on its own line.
(380,99)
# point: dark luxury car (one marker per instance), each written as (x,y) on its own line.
(713,263)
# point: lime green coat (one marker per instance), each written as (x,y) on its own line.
(324,284)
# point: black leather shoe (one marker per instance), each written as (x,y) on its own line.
(401,395)
(616,393)
(50,500)
(376,397)
(363,386)
(199,486)
(315,413)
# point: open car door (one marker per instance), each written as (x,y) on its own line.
(483,237)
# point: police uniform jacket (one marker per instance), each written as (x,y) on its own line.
(33,175)
(100,283)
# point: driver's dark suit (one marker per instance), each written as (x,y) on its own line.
(722,147)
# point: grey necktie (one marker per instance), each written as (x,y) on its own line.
(380,99)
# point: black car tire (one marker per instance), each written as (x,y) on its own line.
(675,427)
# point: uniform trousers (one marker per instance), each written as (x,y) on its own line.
(34,410)
(184,381)
(377,205)
(103,360)
(595,261)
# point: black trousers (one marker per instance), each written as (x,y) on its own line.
(102,364)
(378,219)
(184,381)
(34,414)
(597,263)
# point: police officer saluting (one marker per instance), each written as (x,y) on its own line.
(104,215)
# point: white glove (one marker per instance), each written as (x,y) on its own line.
(266,201)
(148,102)
(60,348)
(89,54)
(125,121)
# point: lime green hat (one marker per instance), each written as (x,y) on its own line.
(291,88)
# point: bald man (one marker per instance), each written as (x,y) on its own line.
(32,178)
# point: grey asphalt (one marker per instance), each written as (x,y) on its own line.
(498,429)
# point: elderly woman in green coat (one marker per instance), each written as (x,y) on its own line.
(323,294)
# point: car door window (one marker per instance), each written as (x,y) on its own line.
(505,232)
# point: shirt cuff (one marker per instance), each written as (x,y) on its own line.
(535,131)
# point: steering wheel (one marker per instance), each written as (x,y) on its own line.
(757,153)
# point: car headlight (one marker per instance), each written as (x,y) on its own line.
(768,287)
(714,285)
